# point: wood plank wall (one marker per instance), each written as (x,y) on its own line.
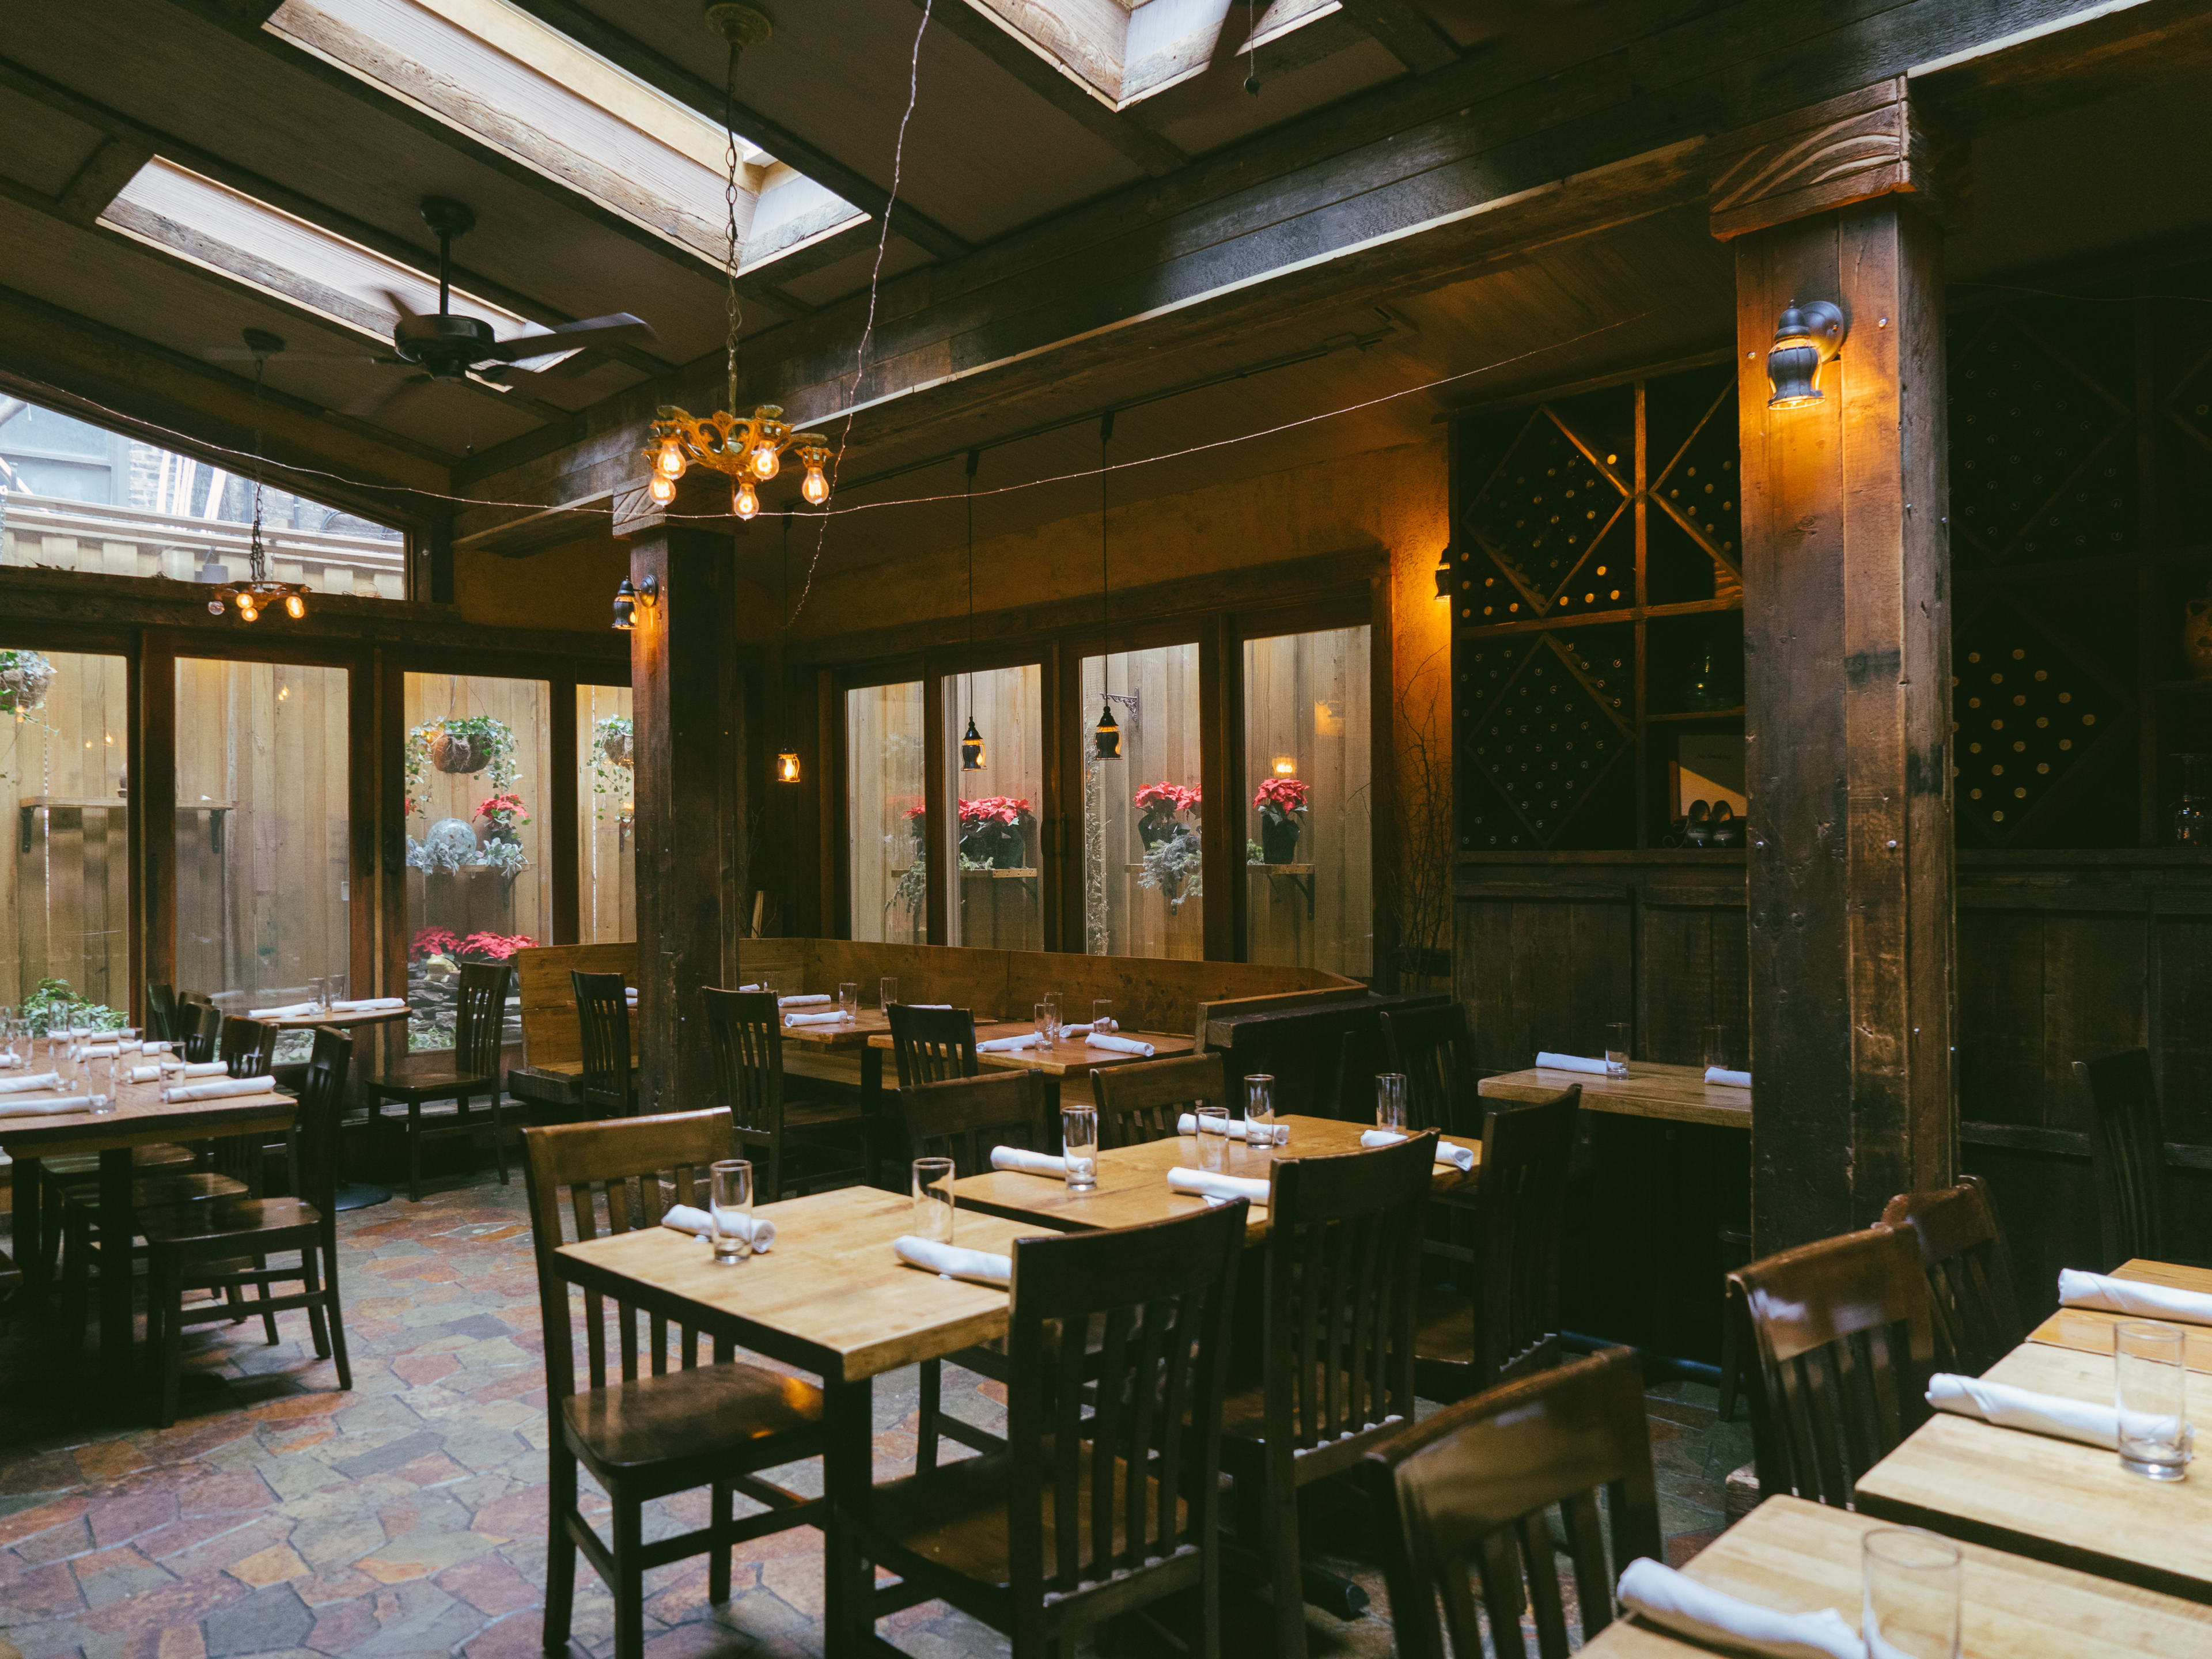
(999,912)
(1160,744)
(606,862)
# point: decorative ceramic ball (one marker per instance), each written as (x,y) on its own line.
(450,842)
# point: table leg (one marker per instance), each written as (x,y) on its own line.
(847,1477)
(872,1111)
(117,1227)
(359,1194)
(30,1256)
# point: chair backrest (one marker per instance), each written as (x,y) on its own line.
(1142,1408)
(1465,1495)
(322,1103)
(247,1047)
(161,1012)
(1520,1200)
(592,1166)
(603,1023)
(2127,1150)
(1839,1332)
(746,1032)
(480,1019)
(1973,1310)
(1137,1104)
(1343,1259)
(962,1118)
(1433,1048)
(204,1034)
(931,1044)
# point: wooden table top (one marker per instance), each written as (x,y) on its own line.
(2056,1500)
(2089,1330)
(1132,1181)
(338,1022)
(867,1022)
(831,1297)
(1071,1056)
(1797,1557)
(141,1116)
(1679,1093)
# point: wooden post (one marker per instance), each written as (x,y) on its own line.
(689,755)
(1847,638)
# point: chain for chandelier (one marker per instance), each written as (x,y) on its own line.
(257,592)
(971,742)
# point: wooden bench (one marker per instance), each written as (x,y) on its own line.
(552,1061)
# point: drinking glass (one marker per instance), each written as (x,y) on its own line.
(767,982)
(2153,1386)
(933,1199)
(1260,1111)
(1043,1017)
(334,990)
(1213,1137)
(1616,1048)
(102,1104)
(732,1210)
(1051,1013)
(848,1000)
(1102,1015)
(1911,1582)
(1078,1144)
(1716,1048)
(1390,1101)
(887,992)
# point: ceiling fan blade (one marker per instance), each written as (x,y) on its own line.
(400,309)
(383,398)
(240,354)
(619,328)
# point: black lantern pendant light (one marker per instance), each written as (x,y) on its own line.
(1108,737)
(971,742)
(787,758)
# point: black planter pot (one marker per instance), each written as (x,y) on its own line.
(1278,841)
(998,845)
(1156,827)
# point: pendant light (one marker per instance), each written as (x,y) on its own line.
(1108,737)
(971,742)
(787,758)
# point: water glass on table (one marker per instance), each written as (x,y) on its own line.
(1259,1113)
(1051,1013)
(1042,1012)
(887,992)
(1213,1137)
(1616,1048)
(732,1210)
(1909,1579)
(2152,1379)
(1717,1049)
(1079,1146)
(1102,1015)
(933,1199)
(848,1001)
(1390,1101)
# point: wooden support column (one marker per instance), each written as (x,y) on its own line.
(688,758)
(1847,669)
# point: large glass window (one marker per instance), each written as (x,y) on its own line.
(1307,810)
(262,871)
(606,803)
(884,772)
(64,882)
(479,873)
(1142,895)
(997,785)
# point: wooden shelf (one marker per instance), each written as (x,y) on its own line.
(1282,869)
(1694,714)
(66,802)
(1015,874)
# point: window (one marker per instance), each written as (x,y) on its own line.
(79,497)
(607,803)
(1309,858)
(1127,50)
(887,860)
(64,884)
(997,900)
(479,870)
(1142,895)
(262,887)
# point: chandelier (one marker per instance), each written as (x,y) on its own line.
(748,449)
(257,592)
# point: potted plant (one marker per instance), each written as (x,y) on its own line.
(504,815)
(993,832)
(613,738)
(1172,867)
(25,679)
(1282,804)
(1156,807)
(460,747)
(917,826)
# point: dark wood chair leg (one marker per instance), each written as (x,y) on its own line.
(1285,1565)
(499,1135)
(925,1425)
(414,1151)
(268,1320)
(331,1299)
(719,1550)
(77,1272)
(629,1586)
(168,1288)
(313,1286)
(560,1545)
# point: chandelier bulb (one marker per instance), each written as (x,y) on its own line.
(747,503)
(816,488)
(670,462)
(294,606)
(766,462)
(663,488)
(247,613)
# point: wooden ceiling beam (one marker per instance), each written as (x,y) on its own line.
(1405,32)
(101,180)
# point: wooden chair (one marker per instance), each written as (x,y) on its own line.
(647,1435)
(205,1037)
(1104,1498)
(608,1083)
(2127,1151)
(161,1012)
(1838,1333)
(479,1023)
(1137,1103)
(1973,1310)
(1342,1260)
(199,1243)
(963,1119)
(931,1044)
(1433,1048)
(1509,1326)
(1466,1494)
(246,1047)
(746,1031)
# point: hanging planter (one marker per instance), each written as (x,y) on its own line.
(1281,803)
(460,748)
(614,739)
(25,679)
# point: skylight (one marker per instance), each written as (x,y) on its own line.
(1124,51)
(494,71)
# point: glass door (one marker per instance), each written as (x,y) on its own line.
(1142,891)
(606,808)
(996,784)
(886,818)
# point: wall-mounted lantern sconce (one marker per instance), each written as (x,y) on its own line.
(1445,574)
(1286,766)
(787,764)
(1806,337)
(628,599)
(1108,736)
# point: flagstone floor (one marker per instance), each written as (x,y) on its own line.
(283,1517)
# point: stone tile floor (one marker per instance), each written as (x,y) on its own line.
(281,1516)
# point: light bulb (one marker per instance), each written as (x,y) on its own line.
(816,488)
(766,462)
(663,489)
(247,613)
(670,462)
(747,503)
(786,766)
(245,601)
(294,606)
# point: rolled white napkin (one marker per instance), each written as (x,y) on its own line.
(1460,1157)
(2023,1408)
(1236,1128)
(94,1050)
(222,1089)
(687,1218)
(1027,1162)
(290,1011)
(2133,1297)
(830,1018)
(925,1004)
(1010,1045)
(1216,1189)
(1120,1044)
(748,988)
(18,1085)
(953,1262)
(156,1047)
(1732,1080)
(204,1068)
(369,1006)
(145,1073)
(9,1062)
(1705,1614)
(808,1001)
(18,1107)
(1551,1062)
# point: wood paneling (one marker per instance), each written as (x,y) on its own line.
(885,779)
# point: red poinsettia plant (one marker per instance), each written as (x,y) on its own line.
(1164,796)
(993,808)
(1278,797)
(493,947)
(504,811)
(434,942)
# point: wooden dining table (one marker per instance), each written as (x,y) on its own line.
(831,1299)
(1068,1057)
(1677,1094)
(141,1116)
(1797,1557)
(351,1194)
